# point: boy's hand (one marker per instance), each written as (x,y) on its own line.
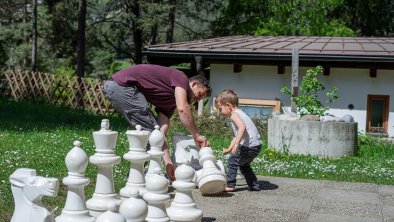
(226,150)
(234,151)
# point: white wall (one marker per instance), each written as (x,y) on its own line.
(354,85)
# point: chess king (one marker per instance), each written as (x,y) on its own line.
(28,189)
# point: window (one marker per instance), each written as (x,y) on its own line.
(377,113)
(254,107)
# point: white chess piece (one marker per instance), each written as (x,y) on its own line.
(183,207)
(133,209)
(105,159)
(156,197)
(28,189)
(185,148)
(156,141)
(110,215)
(211,180)
(75,207)
(137,155)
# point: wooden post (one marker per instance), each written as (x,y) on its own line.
(200,107)
(200,71)
(294,78)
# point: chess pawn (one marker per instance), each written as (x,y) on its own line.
(183,207)
(110,215)
(211,180)
(156,197)
(75,207)
(137,155)
(133,209)
(28,190)
(156,141)
(104,159)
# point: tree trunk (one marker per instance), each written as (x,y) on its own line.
(137,32)
(34,38)
(81,49)
(171,22)
(153,30)
(81,39)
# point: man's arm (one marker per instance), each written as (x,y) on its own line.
(164,124)
(186,116)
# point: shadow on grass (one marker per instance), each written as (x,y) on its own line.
(27,116)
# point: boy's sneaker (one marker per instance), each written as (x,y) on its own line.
(253,189)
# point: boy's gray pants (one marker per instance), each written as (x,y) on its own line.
(131,103)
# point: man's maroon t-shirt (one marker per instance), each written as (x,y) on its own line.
(157,83)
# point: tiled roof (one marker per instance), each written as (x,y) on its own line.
(269,49)
(284,44)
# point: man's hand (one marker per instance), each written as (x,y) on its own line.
(201,141)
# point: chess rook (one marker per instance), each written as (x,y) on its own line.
(75,207)
(156,141)
(137,155)
(183,207)
(104,159)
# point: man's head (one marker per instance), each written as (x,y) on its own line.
(200,88)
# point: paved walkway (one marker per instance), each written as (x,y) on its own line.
(286,199)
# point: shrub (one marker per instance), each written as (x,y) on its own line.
(307,101)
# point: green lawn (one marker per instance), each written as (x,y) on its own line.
(38,136)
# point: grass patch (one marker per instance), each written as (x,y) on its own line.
(38,136)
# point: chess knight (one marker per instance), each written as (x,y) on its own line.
(28,189)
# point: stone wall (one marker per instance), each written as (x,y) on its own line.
(324,139)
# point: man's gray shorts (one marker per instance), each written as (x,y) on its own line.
(131,103)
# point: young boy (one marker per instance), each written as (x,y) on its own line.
(245,145)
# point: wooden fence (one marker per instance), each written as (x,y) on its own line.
(84,93)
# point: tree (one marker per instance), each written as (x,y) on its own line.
(369,17)
(240,17)
(304,17)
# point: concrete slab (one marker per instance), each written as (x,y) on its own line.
(386,189)
(348,196)
(388,213)
(346,208)
(348,186)
(313,217)
(289,199)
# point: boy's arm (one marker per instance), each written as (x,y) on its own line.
(228,149)
(240,133)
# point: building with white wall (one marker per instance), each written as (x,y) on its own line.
(258,67)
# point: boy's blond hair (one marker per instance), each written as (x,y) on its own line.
(227,96)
